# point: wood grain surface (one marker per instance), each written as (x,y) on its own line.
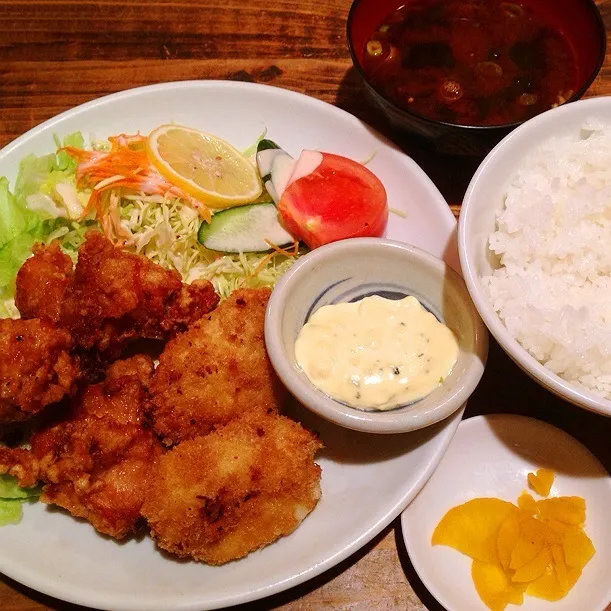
(57,54)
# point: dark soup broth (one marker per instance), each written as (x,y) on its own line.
(477,62)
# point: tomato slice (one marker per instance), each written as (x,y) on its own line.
(339,199)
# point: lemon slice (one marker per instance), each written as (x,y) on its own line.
(203,166)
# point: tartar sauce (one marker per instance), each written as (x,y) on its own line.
(376,353)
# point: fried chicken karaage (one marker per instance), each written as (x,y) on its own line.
(111,298)
(42,282)
(238,475)
(36,368)
(94,457)
(216,371)
(218,497)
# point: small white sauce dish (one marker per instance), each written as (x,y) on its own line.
(350,270)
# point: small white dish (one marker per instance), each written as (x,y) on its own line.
(349,270)
(490,456)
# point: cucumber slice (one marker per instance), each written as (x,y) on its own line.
(265,144)
(275,166)
(244,229)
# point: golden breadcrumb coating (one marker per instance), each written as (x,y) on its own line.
(218,497)
(218,370)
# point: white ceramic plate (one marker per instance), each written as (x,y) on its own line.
(491,456)
(367,480)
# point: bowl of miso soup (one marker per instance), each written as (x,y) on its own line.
(463,73)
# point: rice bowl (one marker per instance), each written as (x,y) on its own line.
(535,246)
(553,239)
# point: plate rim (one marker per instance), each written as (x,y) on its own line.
(450,425)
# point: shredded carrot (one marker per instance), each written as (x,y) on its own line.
(126,166)
(276,250)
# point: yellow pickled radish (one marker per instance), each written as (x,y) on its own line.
(541,481)
(547,586)
(508,536)
(525,551)
(533,528)
(472,528)
(535,568)
(527,503)
(577,547)
(493,586)
(567,509)
(561,567)
(538,547)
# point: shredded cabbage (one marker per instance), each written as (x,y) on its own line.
(166,232)
(251,151)
(163,229)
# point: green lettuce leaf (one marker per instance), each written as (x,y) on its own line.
(10,512)
(19,229)
(64,162)
(10,490)
(7,306)
(41,174)
(11,498)
(15,218)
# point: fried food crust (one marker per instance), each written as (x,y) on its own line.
(216,371)
(113,296)
(21,464)
(218,497)
(94,459)
(36,368)
(42,282)
(117,296)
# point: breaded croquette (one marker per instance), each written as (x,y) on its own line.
(219,497)
(216,371)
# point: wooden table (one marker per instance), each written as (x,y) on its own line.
(57,54)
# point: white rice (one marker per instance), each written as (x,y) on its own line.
(553,239)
